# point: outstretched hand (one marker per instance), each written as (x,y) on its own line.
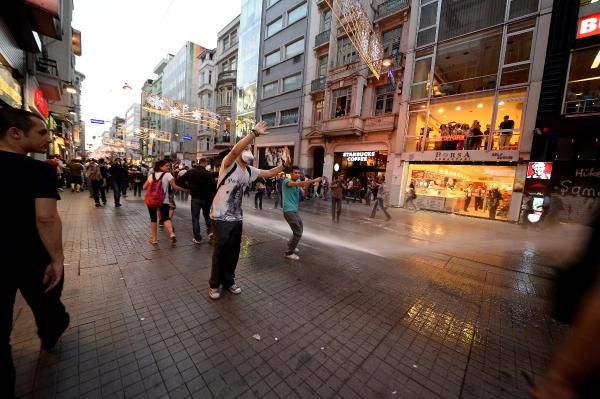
(261,128)
(287,159)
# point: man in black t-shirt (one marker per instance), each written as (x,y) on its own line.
(31,252)
(202,187)
(506,131)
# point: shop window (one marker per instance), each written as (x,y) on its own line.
(588,148)
(272,59)
(341,102)
(296,14)
(519,8)
(416,127)
(294,48)
(509,116)
(517,58)
(459,124)
(289,117)
(565,149)
(346,53)
(427,24)
(274,27)
(292,82)
(419,88)
(458,18)
(384,102)
(270,89)
(467,67)
(270,119)
(583,85)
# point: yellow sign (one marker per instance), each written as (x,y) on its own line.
(10,90)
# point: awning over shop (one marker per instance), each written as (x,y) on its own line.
(216,152)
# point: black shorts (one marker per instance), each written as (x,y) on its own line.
(164,213)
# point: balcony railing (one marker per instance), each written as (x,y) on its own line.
(390,7)
(322,38)
(583,106)
(227,75)
(47,65)
(318,84)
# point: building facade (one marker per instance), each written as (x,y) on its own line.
(206,96)
(350,118)
(281,62)
(468,109)
(180,83)
(568,120)
(131,140)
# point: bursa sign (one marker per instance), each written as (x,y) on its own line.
(588,26)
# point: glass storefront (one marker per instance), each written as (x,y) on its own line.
(476,190)
(360,164)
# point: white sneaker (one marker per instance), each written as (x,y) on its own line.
(296,251)
(235,289)
(197,242)
(214,293)
(292,257)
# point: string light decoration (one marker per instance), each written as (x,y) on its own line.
(178,110)
(353,18)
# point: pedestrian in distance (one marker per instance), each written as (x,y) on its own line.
(260,192)
(292,190)
(76,173)
(235,176)
(118,175)
(98,182)
(411,196)
(201,184)
(31,251)
(380,199)
(337,195)
(157,199)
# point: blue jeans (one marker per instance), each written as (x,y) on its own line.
(196,206)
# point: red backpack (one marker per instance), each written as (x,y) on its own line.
(155,195)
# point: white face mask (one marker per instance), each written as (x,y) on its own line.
(207,167)
(247,157)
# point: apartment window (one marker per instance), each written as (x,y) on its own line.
(271,2)
(270,119)
(209,77)
(297,13)
(229,96)
(341,102)
(427,24)
(322,67)
(292,82)
(294,48)
(270,89)
(391,41)
(384,102)
(289,117)
(274,27)
(518,8)
(326,20)
(345,51)
(583,84)
(233,37)
(225,66)
(318,111)
(517,58)
(202,78)
(421,75)
(226,42)
(232,64)
(272,59)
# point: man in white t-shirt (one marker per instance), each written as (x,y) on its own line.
(235,176)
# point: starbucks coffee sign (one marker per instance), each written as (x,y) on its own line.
(362,156)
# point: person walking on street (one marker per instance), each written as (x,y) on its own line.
(380,198)
(31,250)
(118,174)
(235,176)
(277,191)
(201,184)
(337,195)
(292,190)
(157,199)
(97,182)
(260,192)
(411,195)
(75,173)
(325,188)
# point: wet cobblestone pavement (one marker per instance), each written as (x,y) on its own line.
(425,306)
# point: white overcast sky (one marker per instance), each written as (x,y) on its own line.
(123,40)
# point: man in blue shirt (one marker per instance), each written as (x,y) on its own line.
(292,189)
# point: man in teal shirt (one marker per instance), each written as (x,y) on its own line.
(292,189)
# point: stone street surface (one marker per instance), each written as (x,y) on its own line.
(425,306)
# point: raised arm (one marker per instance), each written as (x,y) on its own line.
(303,183)
(240,146)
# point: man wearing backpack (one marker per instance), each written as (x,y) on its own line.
(157,199)
(96,181)
(235,176)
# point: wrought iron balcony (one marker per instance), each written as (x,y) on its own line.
(227,75)
(390,7)
(322,38)
(318,84)
(47,65)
